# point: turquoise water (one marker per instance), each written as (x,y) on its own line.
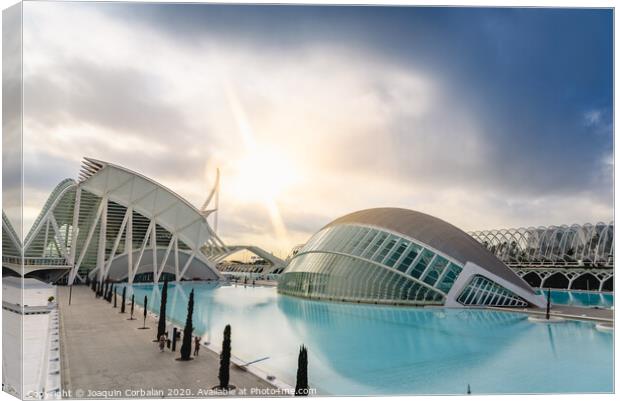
(371,350)
(580,298)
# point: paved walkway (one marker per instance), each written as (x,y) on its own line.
(105,355)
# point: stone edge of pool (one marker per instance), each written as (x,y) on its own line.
(585,314)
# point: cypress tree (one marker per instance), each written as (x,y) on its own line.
(146,300)
(301,387)
(115,297)
(548,303)
(224,374)
(132,305)
(161,325)
(123,300)
(186,346)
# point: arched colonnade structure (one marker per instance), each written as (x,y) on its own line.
(572,279)
(114,223)
(568,257)
(270,263)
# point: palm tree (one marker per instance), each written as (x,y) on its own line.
(186,346)
(301,387)
(224,374)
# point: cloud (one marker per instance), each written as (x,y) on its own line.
(593,117)
(360,127)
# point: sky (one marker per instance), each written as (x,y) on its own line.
(486,118)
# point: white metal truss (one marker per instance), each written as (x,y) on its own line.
(113,214)
(570,274)
(575,245)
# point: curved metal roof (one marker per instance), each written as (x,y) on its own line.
(435,233)
(149,198)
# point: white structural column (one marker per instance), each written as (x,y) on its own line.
(102,238)
(145,241)
(89,237)
(75,229)
(176,259)
(154,249)
(129,242)
(62,248)
(167,254)
(47,229)
(189,261)
(117,241)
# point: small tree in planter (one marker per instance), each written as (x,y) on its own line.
(132,305)
(186,346)
(224,374)
(146,302)
(301,387)
(161,324)
(123,300)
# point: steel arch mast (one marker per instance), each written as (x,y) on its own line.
(214,196)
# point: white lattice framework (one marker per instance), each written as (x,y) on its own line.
(604,276)
(117,223)
(575,245)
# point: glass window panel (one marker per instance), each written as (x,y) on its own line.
(381,236)
(412,253)
(357,237)
(449,278)
(436,269)
(370,235)
(423,262)
(389,244)
(398,252)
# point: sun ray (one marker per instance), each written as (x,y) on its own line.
(258,171)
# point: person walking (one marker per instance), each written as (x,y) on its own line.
(162,342)
(196,345)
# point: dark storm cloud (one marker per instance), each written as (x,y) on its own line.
(522,113)
(531,76)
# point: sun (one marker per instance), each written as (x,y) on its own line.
(264,174)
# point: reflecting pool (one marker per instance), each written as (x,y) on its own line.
(358,349)
(581,298)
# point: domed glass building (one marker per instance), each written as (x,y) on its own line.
(400,256)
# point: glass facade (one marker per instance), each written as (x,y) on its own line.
(483,292)
(366,264)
